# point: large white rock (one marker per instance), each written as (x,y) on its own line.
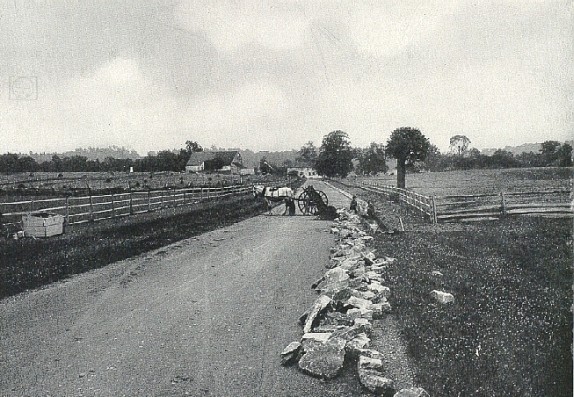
(324,361)
(319,305)
(336,274)
(442,297)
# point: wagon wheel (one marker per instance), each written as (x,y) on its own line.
(324,197)
(301,201)
(306,204)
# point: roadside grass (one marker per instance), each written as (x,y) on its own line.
(31,263)
(509,332)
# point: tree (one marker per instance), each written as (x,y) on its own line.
(192,146)
(308,154)
(264,166)
(459,144)
(549,151)
(434,159)
(565,155)
(503,159)
(407,145)
(372,160)
(335,155)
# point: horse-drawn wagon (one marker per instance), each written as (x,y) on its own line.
(308,200)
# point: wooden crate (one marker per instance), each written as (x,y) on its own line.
(42,225)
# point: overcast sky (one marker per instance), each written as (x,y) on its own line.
(272,75)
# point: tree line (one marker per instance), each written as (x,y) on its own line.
(165,160)
(414,153)
(335,157)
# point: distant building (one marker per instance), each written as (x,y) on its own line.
(247,171)
(207,161)
(303,172)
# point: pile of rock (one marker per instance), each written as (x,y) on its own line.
(338,325)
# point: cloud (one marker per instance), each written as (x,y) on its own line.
(275,75)
(234,24)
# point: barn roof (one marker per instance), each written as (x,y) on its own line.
(198,158)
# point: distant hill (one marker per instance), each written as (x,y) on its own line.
(524,148)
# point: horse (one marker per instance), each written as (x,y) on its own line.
(272,194)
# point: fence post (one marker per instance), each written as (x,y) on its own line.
(131,203)
(434,218)
(113,207)
(67,210)
(184,197)
(503,204)
(91,207)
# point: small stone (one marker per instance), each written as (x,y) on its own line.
(317,336)
(360,313)
(375,382)
(371,353)
(336,318)
(437,273)
(368,295)
(379,309)
(379,289)
(359,303)
(359,342)
(328,328)
(369,363)
(412,392)
(372,275)
(364,324)
(442,297)
(291,347)
(290,353)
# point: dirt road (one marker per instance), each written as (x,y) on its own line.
(206,316)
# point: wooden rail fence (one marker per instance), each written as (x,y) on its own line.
(480,206)
(94,208)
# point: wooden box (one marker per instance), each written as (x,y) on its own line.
(42,225)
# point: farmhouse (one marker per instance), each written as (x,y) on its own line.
(228,161)
(303,172)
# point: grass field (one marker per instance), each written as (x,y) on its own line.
(509,332)
(483,181)
(14,186)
